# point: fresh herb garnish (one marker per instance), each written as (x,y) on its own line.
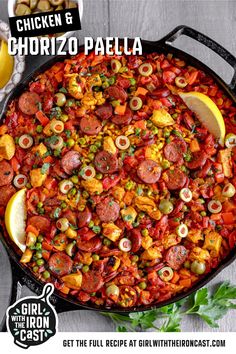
(208,306)
(56,213)
(68,133)
(45,168)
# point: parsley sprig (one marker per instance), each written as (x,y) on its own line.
(209,306)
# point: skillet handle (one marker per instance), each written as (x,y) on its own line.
(16,290)
(208,42)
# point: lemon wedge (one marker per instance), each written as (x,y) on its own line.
(15,217)
(207,112)
(6,66)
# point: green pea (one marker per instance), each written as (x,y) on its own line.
(142,285)
(38,246)
(41,210)
(72,192)
(85,194)
(38,254)
(149,193)
(57,153)
(82,141)
(95,257)
(203,213)
(40,205)
(93,148)
(91,224)
(99,176)
(144,232)
(85,269)
(40,262)
(98,144)
(70,142)
(187,264)
(166,134)
(74,179)
(60,99)
(39,129)
(91,156)
(40,238)
(112,80)
(155,130)
(46,274)
(141,214)
(105,84)
(129,185)
(35,269)
(106,242)
(165,164)
(132,81)
(135,258)
(198,267)
(63,205)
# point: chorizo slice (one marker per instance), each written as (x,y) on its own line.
(70,161)
(60,264)
(174,151)
(117,93)
(41,223)
(136,240)
(92,281)
(29,103)
(105,111)
(149,171)
(176,256)
(108,210)
(6,173)
(176,179)
(92,245)
(6,192)
(198,160)
(105,162)
(122,119)
(90,125)
(83,217)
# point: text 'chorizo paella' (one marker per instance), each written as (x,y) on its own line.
(117,177)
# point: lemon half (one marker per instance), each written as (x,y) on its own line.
(6,64)
(15,218)
(207,112)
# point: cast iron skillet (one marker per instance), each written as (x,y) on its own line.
(21,275)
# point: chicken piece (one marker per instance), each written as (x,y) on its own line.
(109,145)
(148,206)
(37,178)
(99,97)
(151,253)
(26,256)
(170,240)
(86,257)
(199,254)
(73,281)
(118,193)
(129,214)
(213,242)
(111,231)
(195,235)
(128,197)
(152,152)
(7,147)
(161,118)
(75,86)
(88,100)
(94,80)
(41,149)
(224,158)
(92,186)
(146,242)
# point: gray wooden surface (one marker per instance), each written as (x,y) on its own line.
(149,19)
